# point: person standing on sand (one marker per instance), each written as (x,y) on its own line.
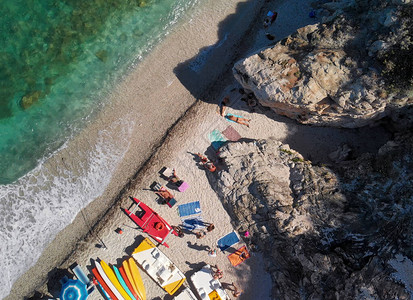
(218,274)
(236,293)
(239,120)
(200,234)
(206,163)
(212,252)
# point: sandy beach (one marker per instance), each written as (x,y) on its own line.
(168,104)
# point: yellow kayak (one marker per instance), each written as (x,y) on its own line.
(112,277)
(137,278)
(128,272)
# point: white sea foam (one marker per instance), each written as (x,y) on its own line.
(46,200)
(403,267)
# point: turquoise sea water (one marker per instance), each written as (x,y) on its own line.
(59,60)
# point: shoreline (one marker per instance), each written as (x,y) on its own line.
(57,252)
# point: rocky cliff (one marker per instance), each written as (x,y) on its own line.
(343,231)
(348,71)
(328,234)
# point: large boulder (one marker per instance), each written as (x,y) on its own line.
(335,74)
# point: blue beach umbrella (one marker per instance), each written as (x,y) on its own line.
(73,290)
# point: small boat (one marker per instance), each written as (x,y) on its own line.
(125,266)
(112,277)
(107,281)
(137,278)
(127,281)
(206,286)
(151,222)
(123,283)
(186,294)
(158,266)
(104,287)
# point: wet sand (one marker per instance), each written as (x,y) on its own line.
(170,103)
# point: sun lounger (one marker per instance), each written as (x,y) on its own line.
(80,274)
(193,223)
(167,172)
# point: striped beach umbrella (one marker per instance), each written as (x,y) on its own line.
(73,290)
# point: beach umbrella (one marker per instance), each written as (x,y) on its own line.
(73,290)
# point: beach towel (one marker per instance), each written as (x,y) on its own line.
(236,258)
(217,139)
(228,240)
(167,172)
(189,209)
(231,134)
(183,187)
(193,223)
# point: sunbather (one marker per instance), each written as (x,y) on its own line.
(175,179)
(164,193)
(239,120)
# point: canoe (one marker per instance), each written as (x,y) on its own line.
(108,292)
(112,277)
(128,272)
(151,222)
(128,283)
(137,278)
(158,266)
(123,283)
(107,281)
(105,295)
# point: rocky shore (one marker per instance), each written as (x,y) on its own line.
(331,231)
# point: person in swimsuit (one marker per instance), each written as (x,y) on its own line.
(239,120)
(236,292)
(175,179)
(164,193)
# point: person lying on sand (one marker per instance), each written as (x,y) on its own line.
(175,179)
(164,193)
(239,120)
